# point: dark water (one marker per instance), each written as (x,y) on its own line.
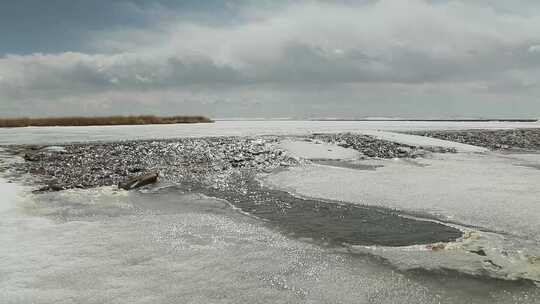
(347,164)
(534,166)
(330,223)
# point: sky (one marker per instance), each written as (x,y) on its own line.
(271,59)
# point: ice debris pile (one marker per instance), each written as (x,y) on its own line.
(514,139)
(206,160)
(372,147)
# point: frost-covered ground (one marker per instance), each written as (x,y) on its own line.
(103,245)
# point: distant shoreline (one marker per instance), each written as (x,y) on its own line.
(386,119)
(434,120)
(100,121)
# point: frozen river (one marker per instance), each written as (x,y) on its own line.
(167,246)
(48,135)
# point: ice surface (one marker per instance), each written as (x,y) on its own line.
(52,135)
(492,192)
(167,247)
(108,246)
(475,189)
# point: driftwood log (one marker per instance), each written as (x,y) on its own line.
(139,181)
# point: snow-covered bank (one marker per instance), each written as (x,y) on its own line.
(10,193)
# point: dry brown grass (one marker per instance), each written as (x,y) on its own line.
(99,121)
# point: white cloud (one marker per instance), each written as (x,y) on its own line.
(310,43)
(534,49)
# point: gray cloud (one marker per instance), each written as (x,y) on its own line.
(422,52)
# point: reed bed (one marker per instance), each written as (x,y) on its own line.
(100,121)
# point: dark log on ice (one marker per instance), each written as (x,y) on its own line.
(139,181)
(30,157)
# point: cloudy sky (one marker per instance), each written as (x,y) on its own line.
(247,58)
